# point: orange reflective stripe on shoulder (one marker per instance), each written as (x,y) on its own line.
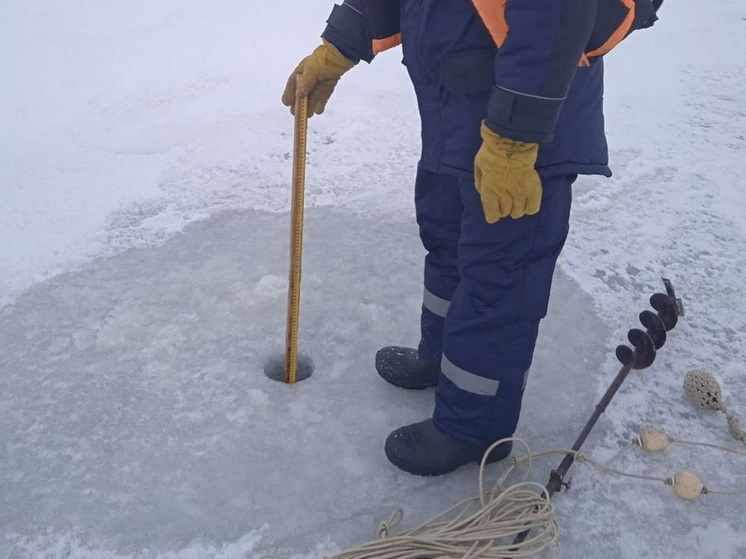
(380,45)
(492,13)
(621,32)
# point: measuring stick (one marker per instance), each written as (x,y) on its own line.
(296,237)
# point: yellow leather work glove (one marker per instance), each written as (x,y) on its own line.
(505,177)
(319,73)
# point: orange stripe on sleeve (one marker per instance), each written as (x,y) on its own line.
(620,33)
(380,45)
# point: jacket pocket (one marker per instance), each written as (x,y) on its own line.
(468,73)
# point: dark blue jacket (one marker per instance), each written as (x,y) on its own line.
(530,89)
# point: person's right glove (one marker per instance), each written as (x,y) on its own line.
(316,76)
(505,176)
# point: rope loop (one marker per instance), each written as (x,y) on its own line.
(384,528)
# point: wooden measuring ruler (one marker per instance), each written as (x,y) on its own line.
(296,238)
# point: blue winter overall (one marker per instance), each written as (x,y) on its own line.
(486,286)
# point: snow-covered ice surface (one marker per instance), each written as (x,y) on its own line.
(144,169)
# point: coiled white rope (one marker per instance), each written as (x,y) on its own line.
(485,526)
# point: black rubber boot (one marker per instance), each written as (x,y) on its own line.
(403,367)
(423,450)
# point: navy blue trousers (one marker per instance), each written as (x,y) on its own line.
(486,289)
(486,286)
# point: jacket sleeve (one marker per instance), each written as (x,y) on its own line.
(535,65)
(347,31)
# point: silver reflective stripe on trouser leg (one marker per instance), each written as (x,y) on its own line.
(435,304)
(468,382)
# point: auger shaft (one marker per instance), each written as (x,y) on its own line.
(557,477)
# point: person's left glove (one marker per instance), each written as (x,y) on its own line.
(505,177)
(316,76)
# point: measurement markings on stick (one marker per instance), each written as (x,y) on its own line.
(296,237)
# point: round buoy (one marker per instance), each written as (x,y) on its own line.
(654,440)
(687,485)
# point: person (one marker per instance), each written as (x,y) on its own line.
(510,101)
